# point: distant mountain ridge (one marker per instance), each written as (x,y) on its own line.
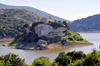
(34,10)
(89,24)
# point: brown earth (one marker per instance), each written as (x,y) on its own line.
(52,47)
(70,45)
(6,39)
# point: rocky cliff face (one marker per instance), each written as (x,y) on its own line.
(48,31)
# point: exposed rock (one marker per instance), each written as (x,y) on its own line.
(64,43)
(48,31)
(28,30)
(42,44)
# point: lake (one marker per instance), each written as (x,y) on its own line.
(30,55)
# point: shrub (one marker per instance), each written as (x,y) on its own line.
(41,61)
(13,59)
(76,55)
(63,59)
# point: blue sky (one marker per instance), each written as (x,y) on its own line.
(67,9)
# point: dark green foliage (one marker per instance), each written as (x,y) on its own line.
(73,37)
(13,59)
(91,23)
(12,20)
(54,64)
(63,59)
(41,61)
(24,14)
(11,27)
(36,23)
(92,59)
(4,15)
(66,25)
(18,35)
(28,38)
(76,55)
(26,25)
(55,24)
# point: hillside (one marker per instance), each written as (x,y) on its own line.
(21,13)
(10,25)
(34,10)
(91,23)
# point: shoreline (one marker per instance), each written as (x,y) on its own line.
(6,39)
(71,45)
(56,47)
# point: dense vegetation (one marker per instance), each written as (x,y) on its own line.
(11,27)
(72,38)
(91,23)
(21,13)
(12,21)
(74,58)
(11,59)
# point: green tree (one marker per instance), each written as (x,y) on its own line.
(55,21)
(41,61)
(63,59)
(13,59)
(66,25)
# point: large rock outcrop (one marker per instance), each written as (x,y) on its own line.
(48,31)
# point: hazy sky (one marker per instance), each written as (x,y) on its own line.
(67,9)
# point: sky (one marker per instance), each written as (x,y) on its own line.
(67,9)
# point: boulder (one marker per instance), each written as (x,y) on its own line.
(49,31)
(42,44)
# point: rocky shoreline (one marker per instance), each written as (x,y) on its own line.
(53,47)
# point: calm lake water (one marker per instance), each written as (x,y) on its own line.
(30,55)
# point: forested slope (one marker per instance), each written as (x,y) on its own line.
(91,23)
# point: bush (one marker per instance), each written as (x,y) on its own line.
(2,63)
(92,59)
(76,55)
(13,59)
(41,61)
(63,59)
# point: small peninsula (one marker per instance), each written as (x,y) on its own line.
(47,35)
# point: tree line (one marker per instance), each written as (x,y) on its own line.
(74,58)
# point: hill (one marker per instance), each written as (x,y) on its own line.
(10,25)
(21,13)
(34,10)
(91,23)
(45,36)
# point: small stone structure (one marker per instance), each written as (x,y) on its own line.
(46,19)
(42,44)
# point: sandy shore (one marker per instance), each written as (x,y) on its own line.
(6,39)
(70,45)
